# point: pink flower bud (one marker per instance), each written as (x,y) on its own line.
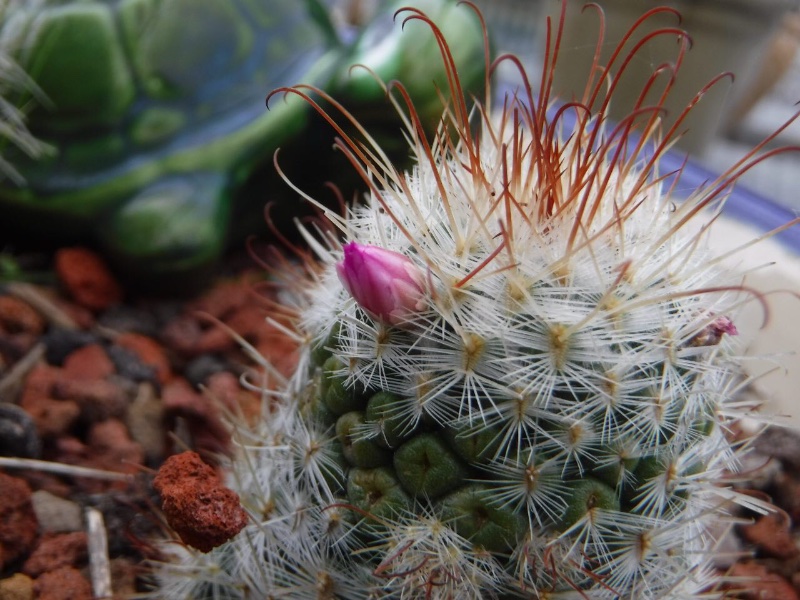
(711,334)
(386,284)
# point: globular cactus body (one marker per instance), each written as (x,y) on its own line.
(516,382)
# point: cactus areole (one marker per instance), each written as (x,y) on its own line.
(518,372)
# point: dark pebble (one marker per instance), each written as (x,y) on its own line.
(59,343)
(201,368)
(166,311)
(18,436)
(129,365)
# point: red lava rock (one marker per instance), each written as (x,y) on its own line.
(17,316)
(186,468)
(18,524)
(278,348)
(57,550)
(88,362)
(72,451)
(71,447)
(65,583)
(230,302)
(149,351)
(248,321)
(224,387)
(52,417)
(41,379)
(48,482)
(201,414)
(202,511)
(759,584)
(224,298)
(111,445)
(191,336)
(106,450)
(98,399)
(772,534)
(182,335)
(215,340)
(87,278)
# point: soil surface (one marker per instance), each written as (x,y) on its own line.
(95,377)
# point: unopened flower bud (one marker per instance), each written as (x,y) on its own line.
(711,334)
(388,285)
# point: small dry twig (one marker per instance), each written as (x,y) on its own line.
(99,563)
(61,468)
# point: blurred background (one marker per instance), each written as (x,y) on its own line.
(756,40)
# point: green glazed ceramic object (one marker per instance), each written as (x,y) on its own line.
(155,110)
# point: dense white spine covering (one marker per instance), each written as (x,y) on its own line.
(572,328)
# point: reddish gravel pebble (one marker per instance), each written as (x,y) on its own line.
(149,351)
(57,550)
(108,448)
(52,417)
(757,583)
(223,299)
(48,482)
(87,279)
(202,511)
(88,362)
(186,468)
(17,316)
(201,413)
(98,399)
(182,335)
(278,348)
(111,445)
(233,303)
(772,534)
(65,583)
(226,389)
(41,380)
(191,335)
(18,524)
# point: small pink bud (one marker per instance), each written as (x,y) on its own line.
(712,333)
(388,285)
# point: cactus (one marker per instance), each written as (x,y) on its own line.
(517,380)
